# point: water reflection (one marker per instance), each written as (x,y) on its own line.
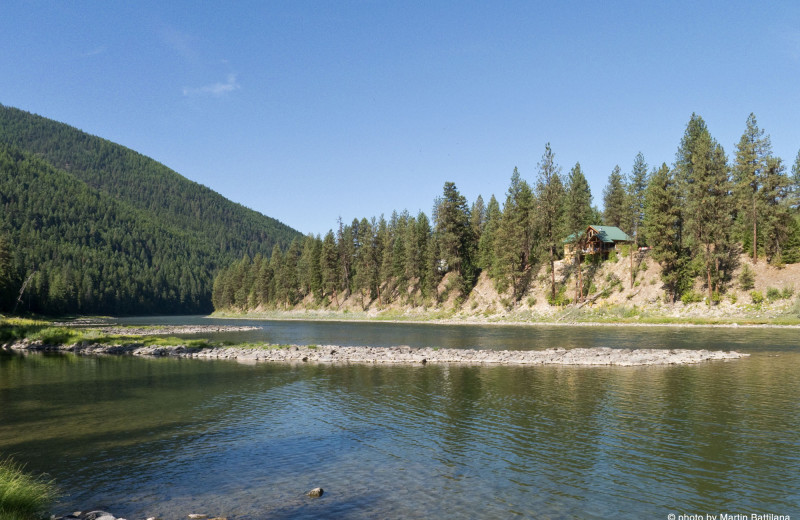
(511,337)
(156,437)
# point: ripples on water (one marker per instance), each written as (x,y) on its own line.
(170,437)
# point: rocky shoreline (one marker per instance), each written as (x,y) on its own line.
(397,355)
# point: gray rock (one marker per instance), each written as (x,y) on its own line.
(315,493)
(99,515)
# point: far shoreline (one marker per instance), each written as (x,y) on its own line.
(472,320)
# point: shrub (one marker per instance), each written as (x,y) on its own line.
(55,336)
(531,301)
(757,297)
(773,294)
(732,297)
(787,293)
(561,298)
(612,256)
(747,278)
(691,297)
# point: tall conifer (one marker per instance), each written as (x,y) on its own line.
(550,196)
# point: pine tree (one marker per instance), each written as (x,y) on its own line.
(795,182)
(486,244)
(708,209)
(454,234)
(329,267)
(515,237)
(775,214)
(684,166)
(6,275)
(549,221)
(578,215)
(662,225)
(752,153)
(615,200)
(636,195)
(365,277)
(477,218)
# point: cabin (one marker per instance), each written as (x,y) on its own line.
(596,240)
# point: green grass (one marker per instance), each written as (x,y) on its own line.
(23,496)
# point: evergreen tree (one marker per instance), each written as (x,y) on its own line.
(6,275)
(365,279)
(708,210)
(795,182)
(345,243)
(578,215)
(330,267)
(776,220)
(486,244)
(454,234)
(265,284)
(515,237)
(549,221)
(636,195)
(684,166)
(615,200)
(752,153)
(477,217)
(662,225)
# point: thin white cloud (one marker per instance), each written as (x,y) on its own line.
(216,89)
(180,42)
(94,52)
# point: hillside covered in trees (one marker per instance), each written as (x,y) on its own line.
(697,217)
(89,226)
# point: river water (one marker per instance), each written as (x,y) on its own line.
(169,437)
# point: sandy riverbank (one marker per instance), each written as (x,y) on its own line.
(401,355)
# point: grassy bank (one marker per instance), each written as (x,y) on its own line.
(17,329)
(23,496)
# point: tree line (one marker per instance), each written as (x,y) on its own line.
(696,217)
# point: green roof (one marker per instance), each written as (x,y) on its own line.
(611,234)
(608,234)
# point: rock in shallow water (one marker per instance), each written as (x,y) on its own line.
(315,493)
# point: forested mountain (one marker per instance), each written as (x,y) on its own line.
(99,228)
(696,217)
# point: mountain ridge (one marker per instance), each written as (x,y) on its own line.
(163,234)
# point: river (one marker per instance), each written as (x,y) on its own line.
(169,437)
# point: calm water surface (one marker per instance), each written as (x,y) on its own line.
(161,437)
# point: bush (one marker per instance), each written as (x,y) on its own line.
(773,294)
(757,297)
(787,293)
(612,256)
(747,278)
(23,496)
(732,297)
(55,336)
(561,298)
(531,301)
(691,297)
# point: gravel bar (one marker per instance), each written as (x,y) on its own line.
(402,355)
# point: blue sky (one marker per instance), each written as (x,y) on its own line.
(307,111)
